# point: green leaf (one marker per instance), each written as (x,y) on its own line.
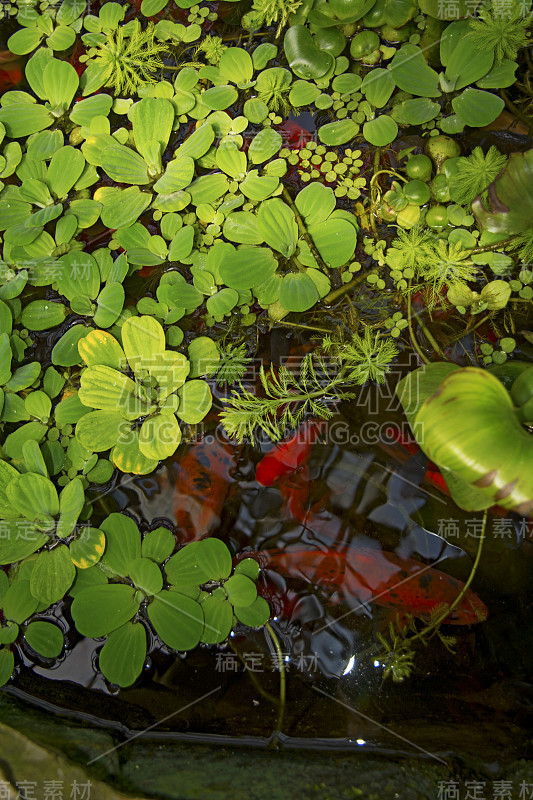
(71,502)
(298,292)
(509,207)
(122,658)
(62,38)
(222,302)
(335,240)
(415,111)
(19,603)
(236,65)
(22,119)
(110,304)
(477,108)
(146,576)
(100,430)
(218,614)
(60,81)
(472,430)
(412,74)
(78,275)
(124,207)
(128,457)
(378,85)
(197,144)
(19,540)
(159,436)
(40,315)
(152,119)
(158,544)
(264,145)
(183,569)
(33,458)
(99,105)
(24,41)
(380,131)
(177,619)
(302,93)
(7,665)
(255,615)
(65,168)
(124,165)
(99,610)
(13,443)
(52,575)
(500,76)
(182,244)
(100,347)
(231,160)
(214,559)
(220,97)
(277,225)
(65,351)
(88,549)
(143,340)
(315,203)
(203,356)
(337,133)
(33,496)
(123,543)
(304,57)
(195,401)
(241,227)
(257,188)
(178,174)
(9,633)
(241,590)
(248,567)
(247,267)
(39,405)
(467,64)
(45,638)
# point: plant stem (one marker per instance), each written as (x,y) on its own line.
(516,111)
(262,692)
(374,195)
(303,230)
(492,247)
(415,344)
(332,296)
(304,327)
(282,680)
(436,623)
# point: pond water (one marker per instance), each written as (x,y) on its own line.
(362,501)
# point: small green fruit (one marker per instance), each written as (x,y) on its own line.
(419,168)
(437,217)
(439,188)
(417,192)
(409,216)
(440,148)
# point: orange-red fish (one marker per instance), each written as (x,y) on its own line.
(201,480)
(364,575)
(10,70)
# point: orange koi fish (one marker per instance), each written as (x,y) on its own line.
(201,480)
(364,575)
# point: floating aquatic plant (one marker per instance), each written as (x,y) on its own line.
(126,61)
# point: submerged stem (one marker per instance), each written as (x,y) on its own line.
(282,679)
